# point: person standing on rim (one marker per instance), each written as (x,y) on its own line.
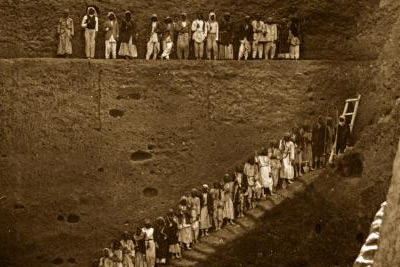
(199,30)
(245,38)
(283,45)
(128,33)
(65,32)
(294,39)
(90,23)
(167,38)
(111,35)
(226,38)
(212,36)
(153,45)
(258,47)
(271,35)
(183,31)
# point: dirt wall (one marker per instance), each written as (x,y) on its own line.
(115,142)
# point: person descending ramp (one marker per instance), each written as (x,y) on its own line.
(348,116)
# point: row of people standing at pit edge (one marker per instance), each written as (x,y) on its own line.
(255,38)
(180,34)
(126,33)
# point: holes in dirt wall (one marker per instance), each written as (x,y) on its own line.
(150,192)
(73,218)
(129,96)
(141,155)
(116,113)
(318,228)
(58,261)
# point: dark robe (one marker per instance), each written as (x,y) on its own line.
(171,230)
(210,203)
(245,30)
(318,137)
(283,45)
(161,238)
(299,140)
(140,244)
(225,32)
(168,30)
(343,134)
(158,30)
(128,29)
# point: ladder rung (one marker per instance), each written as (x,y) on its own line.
(352,100)
(348,114)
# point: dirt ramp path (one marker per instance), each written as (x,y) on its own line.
(216,249)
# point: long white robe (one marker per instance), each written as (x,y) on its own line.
(150,247)
(265,168)
(287,148)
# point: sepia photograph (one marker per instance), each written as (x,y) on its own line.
(208,133)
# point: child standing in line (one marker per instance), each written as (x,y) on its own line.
(194,204)
(229,212)
(239,194)
(206,202)
(172,233)
(117,254)
(218,205)
(250,172)
(106,260)
(140,248)
(161,239)
(128,250)
(276,157)
(184,225)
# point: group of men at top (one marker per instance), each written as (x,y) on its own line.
(278,164)
(220,39)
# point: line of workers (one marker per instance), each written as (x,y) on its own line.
(301,150)
(250,38)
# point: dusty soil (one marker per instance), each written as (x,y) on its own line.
(332,29)
(115,142)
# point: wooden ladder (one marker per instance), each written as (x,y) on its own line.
(353,104)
